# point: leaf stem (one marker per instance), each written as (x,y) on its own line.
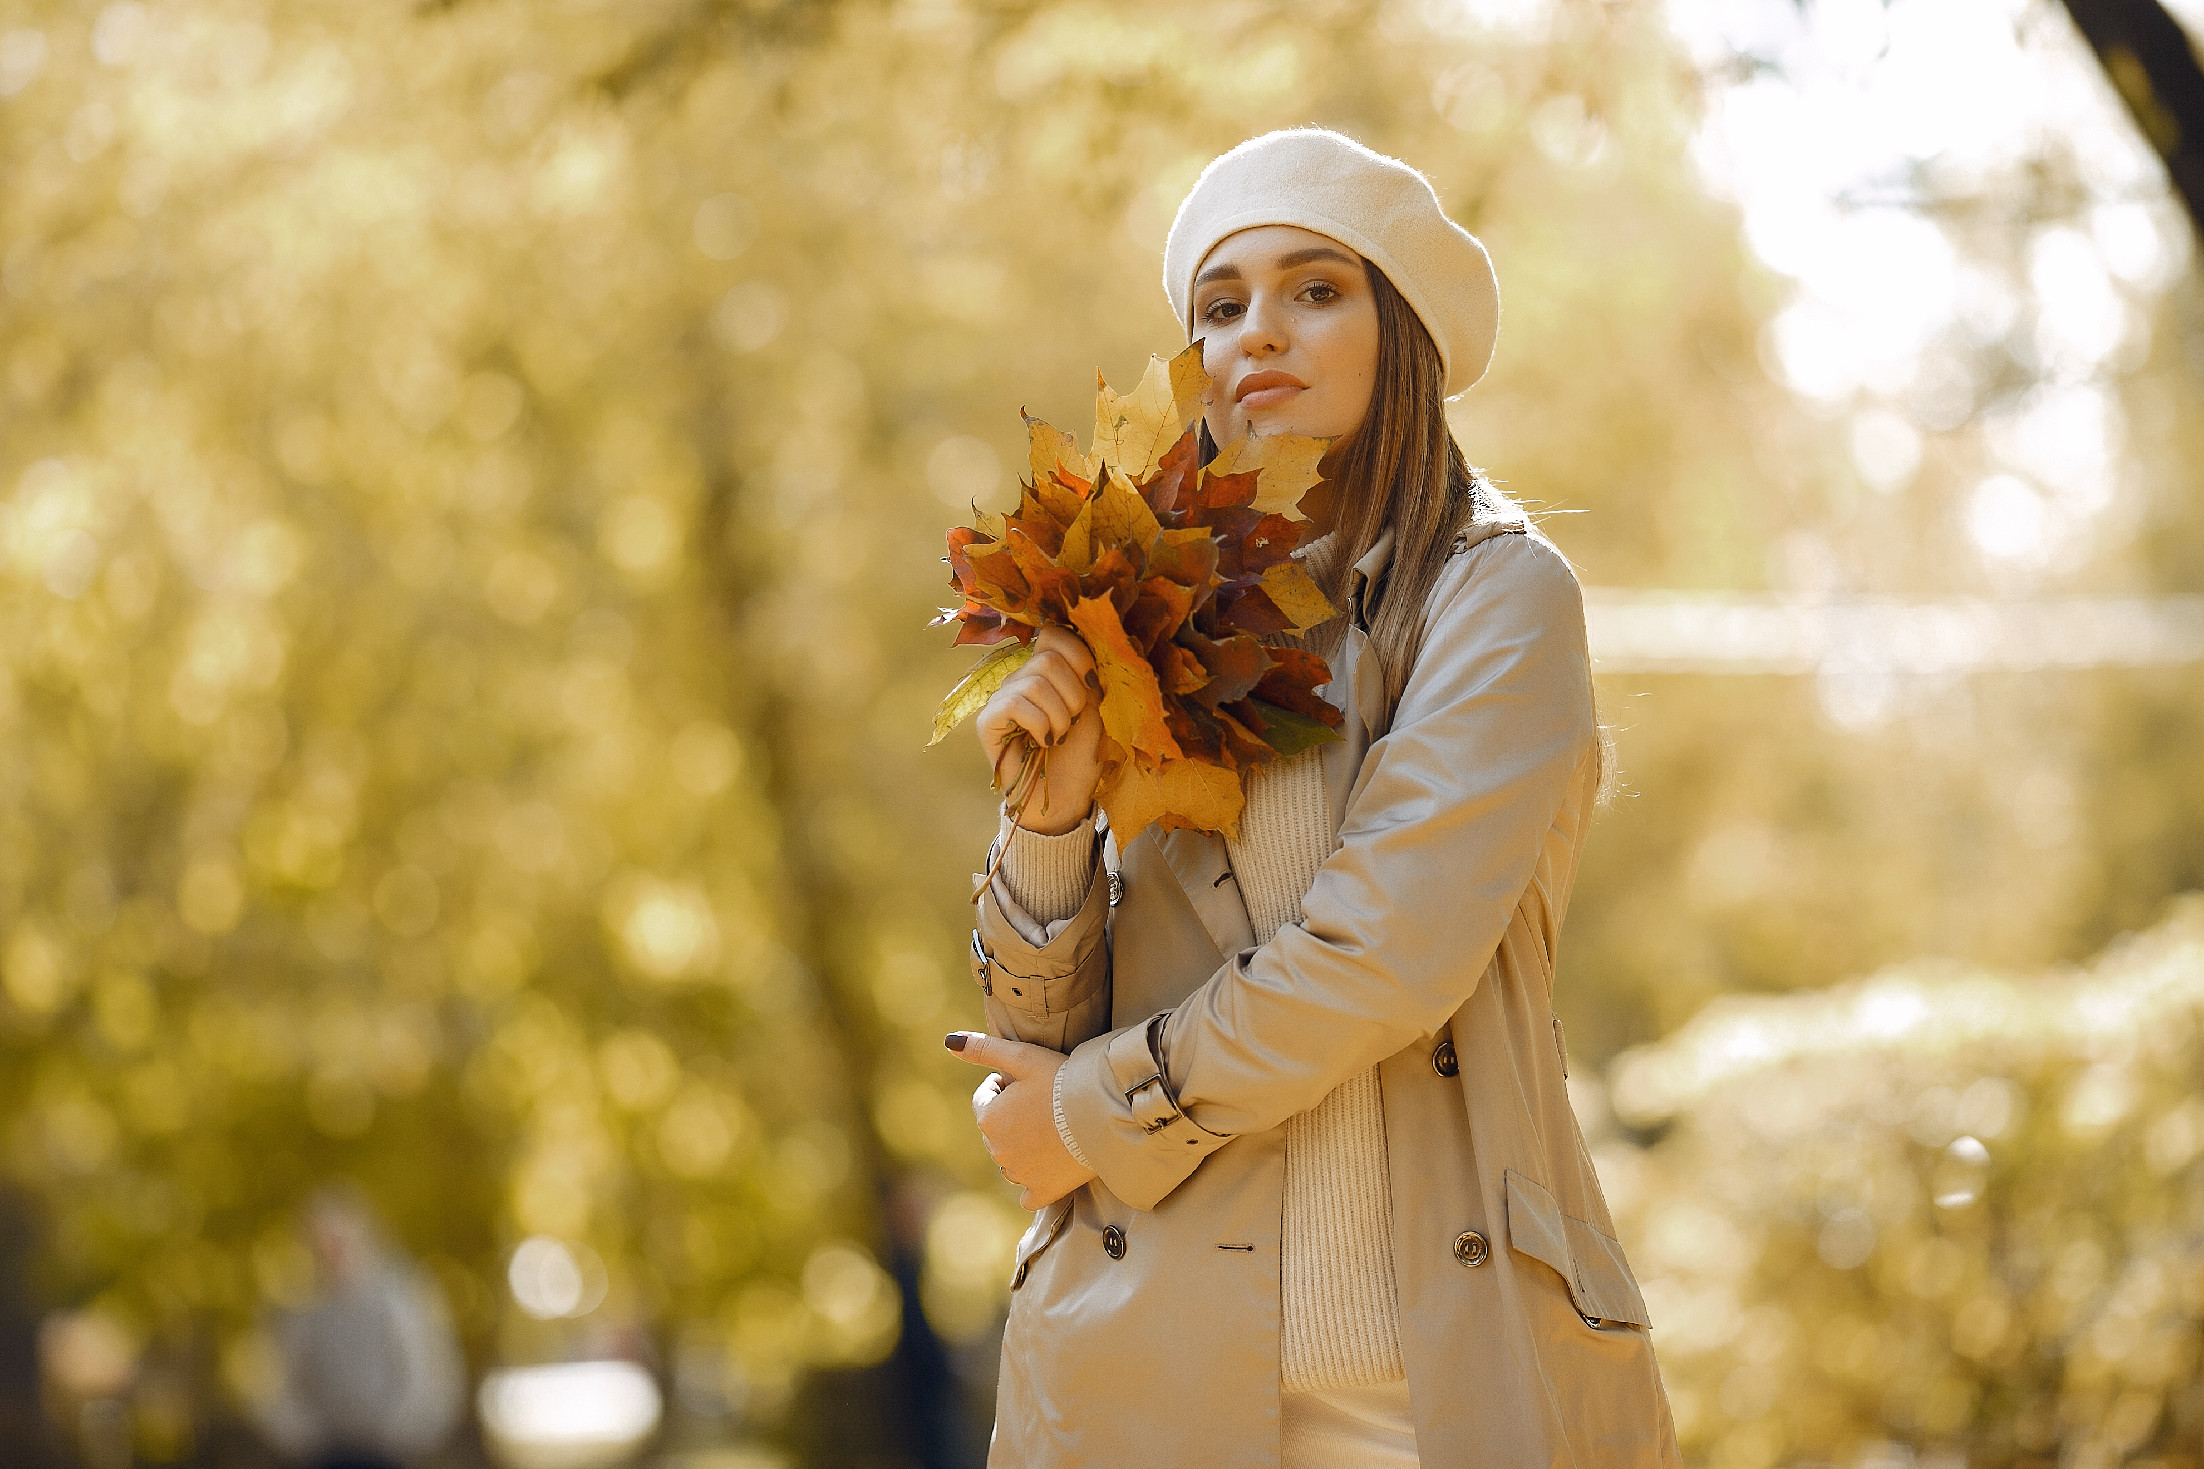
(1032,776)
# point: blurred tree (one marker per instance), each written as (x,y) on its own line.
(2153,65)
(1940,1216)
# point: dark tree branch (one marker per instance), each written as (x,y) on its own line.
(2155,70)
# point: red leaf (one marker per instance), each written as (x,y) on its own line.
(1167,490)
(960,564)
(987,630)
(1179,670)
(1049,586)
(1160,610)
(1273,540)
(1111,576)
(1224,491)
(1292,685)
(1236,665)
(1249,609)
(1188,557)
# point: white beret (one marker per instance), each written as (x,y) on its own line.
(1377,206)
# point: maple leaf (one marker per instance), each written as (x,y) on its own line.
(1133,431)
(1236,665)
(1297,596)
(1179,671)
(1179,793)
(1132,700)
(1112,516)
(1160,609)
(1187,556)
(977,687)
(1049,449)
(1175,476)
(1291,684)
(1286,464)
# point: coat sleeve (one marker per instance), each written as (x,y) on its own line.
(1441,837)
(1045,984)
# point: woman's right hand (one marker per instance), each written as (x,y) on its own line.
(1054,699)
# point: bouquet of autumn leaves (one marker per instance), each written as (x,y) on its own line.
(1172,573)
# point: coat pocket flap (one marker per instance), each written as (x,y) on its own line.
(1590,1262)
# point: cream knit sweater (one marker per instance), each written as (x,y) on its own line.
(1340,1305)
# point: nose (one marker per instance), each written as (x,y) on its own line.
(1263,333)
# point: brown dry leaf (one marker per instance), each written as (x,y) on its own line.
(1133,431)
(1180,793)
(1295,593)
(1286,463)
(1132,700)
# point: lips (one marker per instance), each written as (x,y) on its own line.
(1266,389)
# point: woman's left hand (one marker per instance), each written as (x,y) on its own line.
(1016,1108)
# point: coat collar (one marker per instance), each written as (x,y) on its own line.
(1367,573)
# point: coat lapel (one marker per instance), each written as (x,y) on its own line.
(1197,859)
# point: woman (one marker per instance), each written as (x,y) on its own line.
(1292,1102)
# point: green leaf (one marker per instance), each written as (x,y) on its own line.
(977,687)
(1289,733)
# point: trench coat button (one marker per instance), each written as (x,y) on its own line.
(1470,1248)
(1444,1061)
(1113,1242)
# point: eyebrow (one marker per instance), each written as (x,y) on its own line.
(1286,261)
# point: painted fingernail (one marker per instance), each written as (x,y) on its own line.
(955,1040)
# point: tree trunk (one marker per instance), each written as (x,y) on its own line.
(2154,68)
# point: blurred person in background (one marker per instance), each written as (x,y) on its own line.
(371,1373)
(1311,1192)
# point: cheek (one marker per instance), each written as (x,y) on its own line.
(1351,362)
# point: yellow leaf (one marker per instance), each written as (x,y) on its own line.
(1049,448)
(1114,515)
(1077,556)
(1295,593)
(1121,518)
(1133,431)
(1132,700)
(1285,465)
(978,686)
(1178,793)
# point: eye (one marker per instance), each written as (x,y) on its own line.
(1220,312)
(1321,292)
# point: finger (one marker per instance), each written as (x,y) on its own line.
(1068,645)
(1030,714)
(1014,1059)
(1044,696)
(985,1093)
(1070,685)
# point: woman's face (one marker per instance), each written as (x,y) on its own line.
(1290,335)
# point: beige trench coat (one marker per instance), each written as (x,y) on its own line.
(1144,1313)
